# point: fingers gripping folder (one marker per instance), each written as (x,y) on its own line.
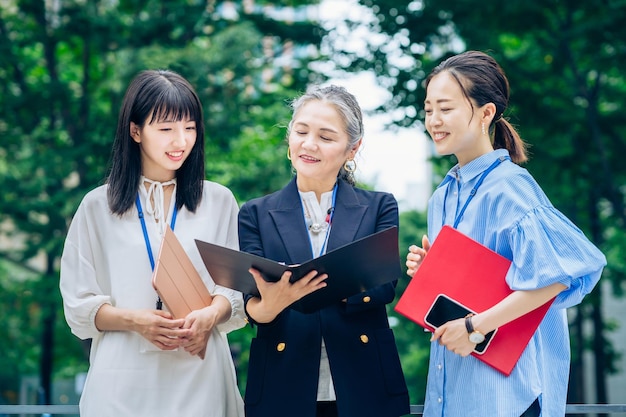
(472,276)
(356,267)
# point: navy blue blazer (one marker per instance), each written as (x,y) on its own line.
(283,371)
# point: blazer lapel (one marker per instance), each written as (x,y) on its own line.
(347,218)
(289,222)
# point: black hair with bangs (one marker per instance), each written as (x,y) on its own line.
(153,96)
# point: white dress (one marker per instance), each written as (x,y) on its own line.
(105,261)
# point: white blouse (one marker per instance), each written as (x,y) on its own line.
(105,261)
(315,216)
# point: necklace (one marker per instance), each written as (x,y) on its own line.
(315,228)
(326,226)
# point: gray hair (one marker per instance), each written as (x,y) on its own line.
(348,109)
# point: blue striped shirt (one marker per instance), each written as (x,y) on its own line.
(511,215)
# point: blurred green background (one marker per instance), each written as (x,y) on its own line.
(64,66)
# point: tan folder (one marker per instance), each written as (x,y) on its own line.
(176,280)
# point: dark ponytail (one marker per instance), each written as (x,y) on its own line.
(506,137)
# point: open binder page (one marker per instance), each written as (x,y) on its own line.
(359,266)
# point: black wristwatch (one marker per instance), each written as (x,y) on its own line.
(474,335)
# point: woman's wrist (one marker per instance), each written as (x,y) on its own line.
(259,312)
(222,309)
(480,324)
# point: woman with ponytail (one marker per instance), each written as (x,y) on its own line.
(490,198)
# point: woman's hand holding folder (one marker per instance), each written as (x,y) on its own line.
(156,326)
(277,296)
(201,323)
(416,255)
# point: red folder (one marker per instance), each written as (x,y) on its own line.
(473,275)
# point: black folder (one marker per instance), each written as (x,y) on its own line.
(356,267)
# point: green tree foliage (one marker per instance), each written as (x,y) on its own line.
(564,61)
(64,67)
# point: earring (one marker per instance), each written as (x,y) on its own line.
(350,166)
(288,153)
(483,129)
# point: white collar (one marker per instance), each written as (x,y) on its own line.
(155,194)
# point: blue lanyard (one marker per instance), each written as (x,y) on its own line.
(330,222)
(146,238)
(472,192)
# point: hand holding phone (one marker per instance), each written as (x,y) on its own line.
(445,309)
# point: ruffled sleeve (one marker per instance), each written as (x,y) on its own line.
(82,293)
(548,248)
(237,318)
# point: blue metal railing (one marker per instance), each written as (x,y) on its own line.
(49,410)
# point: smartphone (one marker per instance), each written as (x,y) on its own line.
(445,309)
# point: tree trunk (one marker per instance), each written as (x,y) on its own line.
(47,333)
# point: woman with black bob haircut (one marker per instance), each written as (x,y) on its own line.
(143,361)
(160,96)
